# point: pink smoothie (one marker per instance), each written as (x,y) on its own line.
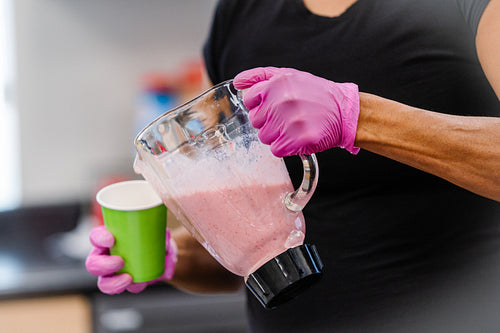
(244,227)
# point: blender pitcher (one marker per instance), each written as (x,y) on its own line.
(231,193)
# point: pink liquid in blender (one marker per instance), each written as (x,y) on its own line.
(244,227)
(233,206)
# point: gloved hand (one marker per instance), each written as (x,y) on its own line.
(103,265)
(299,113)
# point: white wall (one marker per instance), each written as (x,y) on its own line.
(79,65)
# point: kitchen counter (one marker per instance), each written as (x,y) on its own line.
(32,258)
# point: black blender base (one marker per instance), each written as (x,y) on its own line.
(286,276)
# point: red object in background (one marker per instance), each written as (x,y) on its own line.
(159,83)
(190,79)
(186,79)
(192,74)
(95,209)
(185,82)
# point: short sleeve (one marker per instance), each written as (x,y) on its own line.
(472,10)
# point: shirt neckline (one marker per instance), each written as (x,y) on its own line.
(307,13)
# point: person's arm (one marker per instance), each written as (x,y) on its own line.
(462,150)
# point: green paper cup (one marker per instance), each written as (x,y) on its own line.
(136,216)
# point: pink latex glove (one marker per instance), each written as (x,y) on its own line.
(299,113)
(103,265)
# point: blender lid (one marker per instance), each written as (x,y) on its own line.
(286,275)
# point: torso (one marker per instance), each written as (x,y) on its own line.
(387,233)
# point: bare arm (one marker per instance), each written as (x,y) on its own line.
(462,150)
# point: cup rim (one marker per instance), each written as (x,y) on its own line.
(151,199)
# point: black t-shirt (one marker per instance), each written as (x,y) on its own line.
(402,249)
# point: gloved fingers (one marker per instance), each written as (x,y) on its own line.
(99,264)
(248,78)
(101,237)
(168,236)
(282,148)
(171,248)
(252,98)
(169,268)
(114,284)
(255,102)
(170,260)
(137,287)
(268,133)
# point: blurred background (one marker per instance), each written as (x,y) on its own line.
(78,80)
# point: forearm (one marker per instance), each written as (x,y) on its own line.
(462,150)
(197,271)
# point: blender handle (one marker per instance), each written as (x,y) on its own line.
(296,201)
